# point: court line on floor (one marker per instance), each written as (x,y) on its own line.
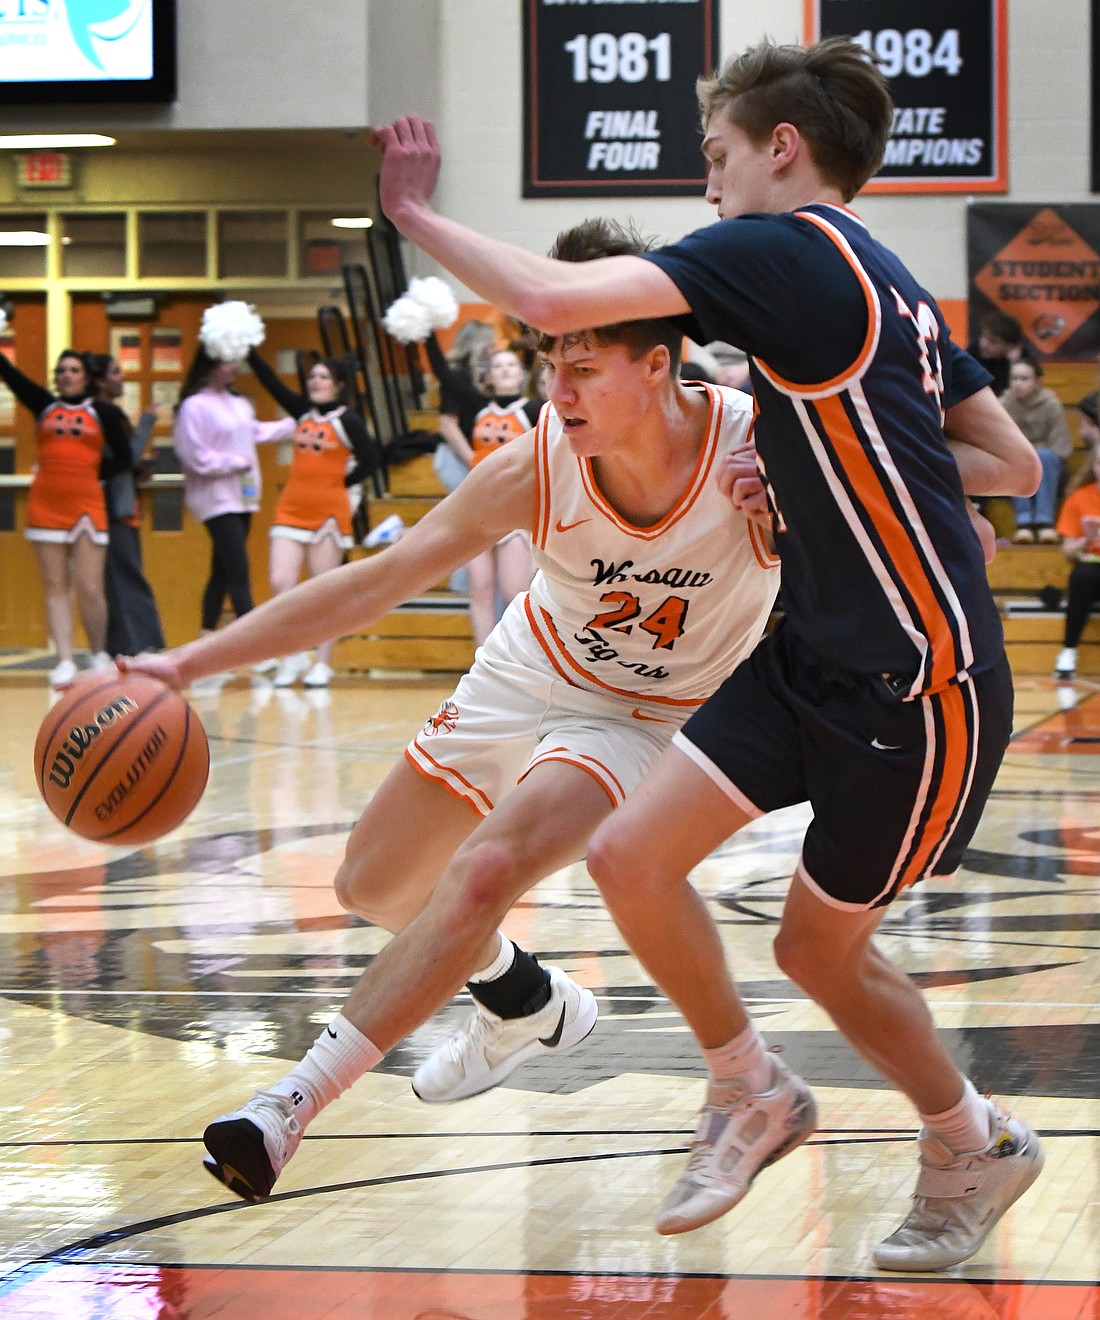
(610,998)
(77,1251)
(835,1137)
(943,1280)
(977,936)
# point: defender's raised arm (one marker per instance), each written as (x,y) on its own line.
(555,296)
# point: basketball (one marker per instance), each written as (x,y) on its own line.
(121,758)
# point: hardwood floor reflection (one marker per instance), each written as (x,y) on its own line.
(144,991)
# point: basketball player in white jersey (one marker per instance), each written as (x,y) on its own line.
(650,589)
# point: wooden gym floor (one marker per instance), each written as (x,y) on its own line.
(144,992)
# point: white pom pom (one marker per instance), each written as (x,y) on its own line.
(437,299)
(428,304)
(407,320)
(230,329)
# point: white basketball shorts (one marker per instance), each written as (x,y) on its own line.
(513,712)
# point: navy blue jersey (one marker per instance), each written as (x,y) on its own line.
(852,368)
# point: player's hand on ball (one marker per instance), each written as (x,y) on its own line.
(162,667)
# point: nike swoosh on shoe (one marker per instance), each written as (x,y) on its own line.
(555,1039)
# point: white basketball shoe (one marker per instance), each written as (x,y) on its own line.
(483,1052)
(959,1198)
(249,1147)
(739,1133)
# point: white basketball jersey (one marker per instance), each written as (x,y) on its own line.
(658,614)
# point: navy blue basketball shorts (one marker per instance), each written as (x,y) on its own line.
(897,787)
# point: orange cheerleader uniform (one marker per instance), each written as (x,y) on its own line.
(66,498)
(498,422)
(502,419)
(314,503)
(333,450)
(80,443)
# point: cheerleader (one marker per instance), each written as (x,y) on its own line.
(461,398)
(333,450)
(507,569)
(81,440)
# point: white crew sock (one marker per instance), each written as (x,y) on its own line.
(339,1056)
(743,1057)
(965,1127)
(500,964)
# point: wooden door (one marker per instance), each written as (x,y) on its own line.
(22,616)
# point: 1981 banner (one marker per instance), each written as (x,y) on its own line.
(945,60)
(609,104)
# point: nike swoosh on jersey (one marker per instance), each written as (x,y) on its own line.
(650,719)
(559,526)
(885,747)
(555,1039)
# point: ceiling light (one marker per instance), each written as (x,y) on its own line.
(23,238)
(353,222)
(52,141)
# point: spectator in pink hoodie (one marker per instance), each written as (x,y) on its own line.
(215,437)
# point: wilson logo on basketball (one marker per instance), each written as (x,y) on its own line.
(144,759)
(81,736)
(122,759)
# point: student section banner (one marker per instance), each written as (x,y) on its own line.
(609,96)
(945,60)
(1040,264)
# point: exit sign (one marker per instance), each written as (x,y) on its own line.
(44,169)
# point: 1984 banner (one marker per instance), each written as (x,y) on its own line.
(945,61)
(609,105)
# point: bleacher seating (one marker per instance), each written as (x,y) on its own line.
(428,635)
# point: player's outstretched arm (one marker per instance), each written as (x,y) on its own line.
(555,296)
(497,497)
(993,454)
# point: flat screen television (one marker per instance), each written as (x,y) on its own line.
(65,52)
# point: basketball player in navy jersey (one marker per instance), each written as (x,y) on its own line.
(885,698)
